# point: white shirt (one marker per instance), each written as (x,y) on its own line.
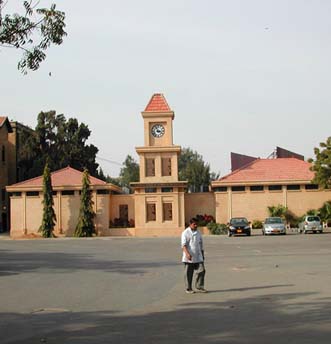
(193,242)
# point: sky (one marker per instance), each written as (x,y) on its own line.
(241,76)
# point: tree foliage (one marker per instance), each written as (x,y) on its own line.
(129,172)
(277,211)
(63,142)
(85,224)
(192,168)
(49,217)
(283,212)
(325,212)
(33,32)
(322,164)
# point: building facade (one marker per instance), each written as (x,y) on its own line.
(27,208)
(160,204)
(250,190)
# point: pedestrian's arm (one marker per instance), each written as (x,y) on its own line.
(187,253)
(202,250)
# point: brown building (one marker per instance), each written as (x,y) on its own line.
(26,203)
(249,190)
(5,171)
(12,136)
(160,205)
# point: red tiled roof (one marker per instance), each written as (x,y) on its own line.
(262,170)
(67,176)
(2,120)
(157,104)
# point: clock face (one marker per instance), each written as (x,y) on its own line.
(157,130)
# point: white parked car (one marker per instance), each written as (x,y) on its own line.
(273,225)
(311,224)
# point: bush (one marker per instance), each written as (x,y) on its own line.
(203,220)
(293,220)
(217,228)
(277,211)
(325,212)
(256,224)
(280,211)
(121,223)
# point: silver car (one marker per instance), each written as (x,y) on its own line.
(311,224)
(273,225)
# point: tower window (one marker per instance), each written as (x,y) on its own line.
(150,167)
(166,166)
(3,154)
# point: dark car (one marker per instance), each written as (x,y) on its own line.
(239,225)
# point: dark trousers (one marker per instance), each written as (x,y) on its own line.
(197,269)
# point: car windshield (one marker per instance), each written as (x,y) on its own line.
(313,218)
(270,220)
(240,221)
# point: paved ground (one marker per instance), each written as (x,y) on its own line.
(130,290)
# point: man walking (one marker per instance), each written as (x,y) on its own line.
(193,258)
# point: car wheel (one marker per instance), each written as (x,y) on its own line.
(248,233)
(320,232)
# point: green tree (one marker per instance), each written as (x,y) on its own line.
(85,224)
(33,32)
(63,142)
(49,217)
(129,172)
(282,211)
(113,180)
(192,168)
(325,212)
(278,211)
(322,164)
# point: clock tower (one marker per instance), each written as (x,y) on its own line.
(159,196)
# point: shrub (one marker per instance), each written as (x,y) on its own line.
(203,220)
(313,212)
(325,212)
(277,211)
(283,212)
(293,220)
(121,223)
(217,228)
(256,224)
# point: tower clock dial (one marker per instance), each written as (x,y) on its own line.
(157,130)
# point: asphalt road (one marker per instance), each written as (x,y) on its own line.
(131,290)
